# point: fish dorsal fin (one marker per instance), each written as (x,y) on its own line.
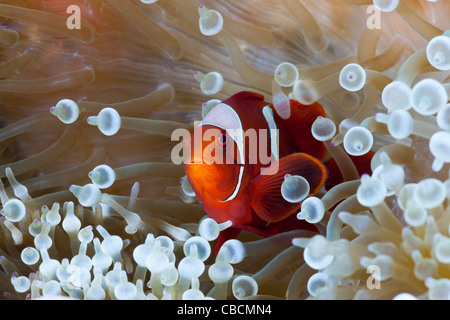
(225,117)
(267,201)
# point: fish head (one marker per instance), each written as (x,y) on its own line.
(212,163)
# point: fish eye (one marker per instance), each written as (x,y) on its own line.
(222,138)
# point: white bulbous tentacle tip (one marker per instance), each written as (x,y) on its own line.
(235,251)
(415,216)
(305,92)
(400,124)
(442,250)
(323,129)
(443,117)
(428,96)
(210,83)
(71,224)
(87,195)
(21,284)
(111,244)
(392,175)
(430,193)
(141,251)
(210,22)
(317,259)
(157,261)
(102,176)
(352,77)
(130,229)
(165,242)
(201,246)
(125,290)
(244,286)
(221,271)
(317,282)
(169,276)
(358,141)
(286,74)
(438,52)
(193,294)
(294,188)
(14,210)
(86,234)
(30,256)
(439,145)
(397,96)
(371,191)
(53,217)
(191,266)
(210,229)
(149,1)
(66,110)
(312,210)
(108,121)
(386,5)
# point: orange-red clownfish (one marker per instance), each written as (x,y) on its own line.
(225,167)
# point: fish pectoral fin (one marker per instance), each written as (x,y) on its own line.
(266,198)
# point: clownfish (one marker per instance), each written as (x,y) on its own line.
(238,157)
